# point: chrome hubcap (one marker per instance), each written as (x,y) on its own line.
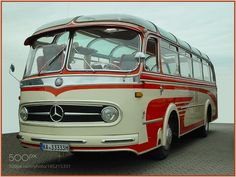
(168,137)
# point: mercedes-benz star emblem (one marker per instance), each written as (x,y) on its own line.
(58,81)
(56,113)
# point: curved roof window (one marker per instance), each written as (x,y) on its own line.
(167,35)
(196,51)
(184,44)
(205,56)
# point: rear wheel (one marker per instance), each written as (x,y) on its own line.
(204,130)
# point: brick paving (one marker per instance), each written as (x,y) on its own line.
(192,155)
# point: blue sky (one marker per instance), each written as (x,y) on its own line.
(208,26)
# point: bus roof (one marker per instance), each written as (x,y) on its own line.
(129,19)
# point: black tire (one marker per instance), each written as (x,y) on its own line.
(159,154)
(204,130)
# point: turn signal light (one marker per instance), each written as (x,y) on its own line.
(138,94)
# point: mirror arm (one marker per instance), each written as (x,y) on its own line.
(142,60)
(13,76)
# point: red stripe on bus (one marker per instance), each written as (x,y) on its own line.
(157,109)
(57,91)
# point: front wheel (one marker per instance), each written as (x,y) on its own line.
(163,151)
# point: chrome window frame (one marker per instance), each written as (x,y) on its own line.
(157,56)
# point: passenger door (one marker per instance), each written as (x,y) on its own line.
(151,61)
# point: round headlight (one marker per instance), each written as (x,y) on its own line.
(109,114)
(23,113)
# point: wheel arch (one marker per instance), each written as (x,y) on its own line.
(170,109)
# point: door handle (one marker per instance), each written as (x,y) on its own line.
(161,89)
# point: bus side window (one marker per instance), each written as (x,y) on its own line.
(197,68)
(206,71)
(185,64)
(151,61)
(212,74)
(169,59)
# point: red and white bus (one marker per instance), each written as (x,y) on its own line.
(113,83)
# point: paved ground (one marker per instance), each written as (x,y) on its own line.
(192,155)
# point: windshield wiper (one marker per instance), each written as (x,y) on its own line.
(85,60)
(51,61)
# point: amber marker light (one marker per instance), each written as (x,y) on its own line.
(138,94)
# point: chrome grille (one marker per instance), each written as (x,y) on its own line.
(72,113)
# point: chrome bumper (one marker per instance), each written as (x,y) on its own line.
(84,141)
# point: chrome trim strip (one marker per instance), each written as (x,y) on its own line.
(75,74)
(78,80)
(118,140)
(153,121)
(182,102)
(191,106)
(81,113)
(39,113)
(175,83)
(72,103)
(197,81)
(59,140)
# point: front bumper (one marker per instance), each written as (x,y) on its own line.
(83,143)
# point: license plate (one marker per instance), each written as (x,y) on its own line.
(55,147)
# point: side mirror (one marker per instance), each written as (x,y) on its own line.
(140,56)
(12,68)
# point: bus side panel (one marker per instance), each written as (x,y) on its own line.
(191,112)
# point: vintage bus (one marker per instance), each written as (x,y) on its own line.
(113,83)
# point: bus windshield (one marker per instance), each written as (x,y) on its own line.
(93,48)
(104,48)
